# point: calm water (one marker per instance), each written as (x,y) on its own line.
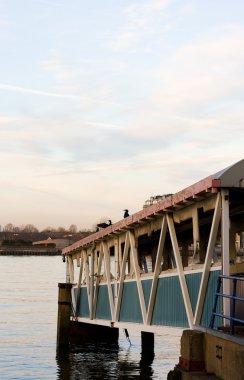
(28,315)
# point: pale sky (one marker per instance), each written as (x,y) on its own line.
(106,103)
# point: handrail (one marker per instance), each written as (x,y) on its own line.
(232,318)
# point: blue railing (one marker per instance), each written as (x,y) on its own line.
(233,297)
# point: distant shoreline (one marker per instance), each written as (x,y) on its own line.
(29,252)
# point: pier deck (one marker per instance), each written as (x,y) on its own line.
(160,266)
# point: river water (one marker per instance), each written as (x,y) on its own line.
(28,322)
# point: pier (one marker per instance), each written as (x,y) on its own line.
(176,263)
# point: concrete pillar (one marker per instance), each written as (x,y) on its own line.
(192,350)
(64,308)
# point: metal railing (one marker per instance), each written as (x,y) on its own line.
(233,298)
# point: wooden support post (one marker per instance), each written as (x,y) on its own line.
(64,307)
(147,342)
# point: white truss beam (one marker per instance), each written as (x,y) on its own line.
(180,270)
(208,260)
(157,271)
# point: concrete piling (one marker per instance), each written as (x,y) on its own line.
(192,350)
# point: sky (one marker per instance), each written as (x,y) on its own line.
(106,103)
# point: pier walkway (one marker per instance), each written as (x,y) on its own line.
(159,267)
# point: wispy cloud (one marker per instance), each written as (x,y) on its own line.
(23,90)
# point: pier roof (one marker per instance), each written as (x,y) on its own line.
(230,177)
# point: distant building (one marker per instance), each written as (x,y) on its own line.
(56,243)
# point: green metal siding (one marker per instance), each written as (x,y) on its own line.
(193,284)
(130,305)
(209,300)
(146,286)
(84,306)
(103,306)
(169,308)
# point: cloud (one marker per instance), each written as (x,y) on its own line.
(204,71)
(55,64)
(23,90)
(140,22)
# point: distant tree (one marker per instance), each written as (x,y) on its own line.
(8,228)
(48,229)
(73,229)
(30,228)
(21,228)
(61,229)
(85,230)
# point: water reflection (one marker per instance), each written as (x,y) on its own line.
(104,361)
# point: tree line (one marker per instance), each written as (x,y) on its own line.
(30,228)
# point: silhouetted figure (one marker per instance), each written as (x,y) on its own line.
(126,213)
(103,225)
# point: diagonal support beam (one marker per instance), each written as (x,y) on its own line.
(99,267)
(134,255)
(180,270)
(157,270)
(79,285)
(107,272)
(208,259)
(86,265)
(122,276)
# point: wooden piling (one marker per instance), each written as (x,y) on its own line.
(147,342)
(64,309)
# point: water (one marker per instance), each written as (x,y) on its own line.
(28,317)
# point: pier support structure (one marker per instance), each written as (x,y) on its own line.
(147,342)
(64,309)
(86,332)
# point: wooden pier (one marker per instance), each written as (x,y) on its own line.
(159,268)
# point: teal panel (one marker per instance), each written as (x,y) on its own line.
(103,306)
(209,300)
(84,306)
(130,310)
(146,286)
(169,308)
(193,284)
